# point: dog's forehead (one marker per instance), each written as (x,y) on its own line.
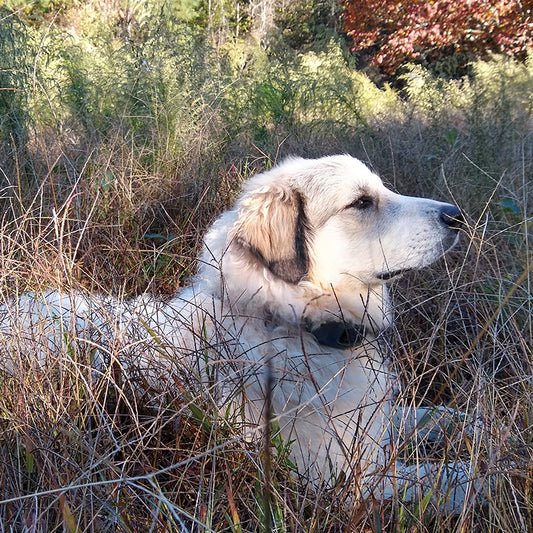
(340,178)
(329,181)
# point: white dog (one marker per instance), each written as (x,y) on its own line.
(292,279)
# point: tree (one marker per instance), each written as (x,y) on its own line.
(400,30)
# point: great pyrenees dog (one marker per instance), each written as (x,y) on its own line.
(291,281)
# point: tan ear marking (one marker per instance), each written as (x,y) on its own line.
(272,226)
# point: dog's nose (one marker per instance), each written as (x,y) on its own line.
(452,216)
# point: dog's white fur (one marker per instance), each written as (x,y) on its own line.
(308,243)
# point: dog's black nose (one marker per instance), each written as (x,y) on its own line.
(452,216)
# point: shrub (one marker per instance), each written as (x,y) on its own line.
(400,31)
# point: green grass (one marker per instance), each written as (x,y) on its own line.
(119,144)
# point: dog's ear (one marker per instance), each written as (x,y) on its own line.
(272,226)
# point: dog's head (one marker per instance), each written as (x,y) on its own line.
(326,226)
(332,222)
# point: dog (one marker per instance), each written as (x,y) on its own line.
(291,281)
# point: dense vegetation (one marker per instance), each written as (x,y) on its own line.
(125,128)
(429,32)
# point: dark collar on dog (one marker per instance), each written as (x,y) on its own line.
(339,335)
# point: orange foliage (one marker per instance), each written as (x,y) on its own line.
(403,30)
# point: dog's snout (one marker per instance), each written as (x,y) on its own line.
(452,216)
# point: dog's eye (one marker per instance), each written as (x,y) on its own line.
(363,202)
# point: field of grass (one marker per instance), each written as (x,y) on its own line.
(122,135)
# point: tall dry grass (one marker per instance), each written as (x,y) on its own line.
(81,453)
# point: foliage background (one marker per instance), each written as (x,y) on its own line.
(126,127)
(432,32)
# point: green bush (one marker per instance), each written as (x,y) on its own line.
(15,80)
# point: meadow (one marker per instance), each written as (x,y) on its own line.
(123,134)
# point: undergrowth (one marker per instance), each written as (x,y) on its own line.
(121,138)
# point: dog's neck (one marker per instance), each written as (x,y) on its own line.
(339,319)
(340,335)
(250,289)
